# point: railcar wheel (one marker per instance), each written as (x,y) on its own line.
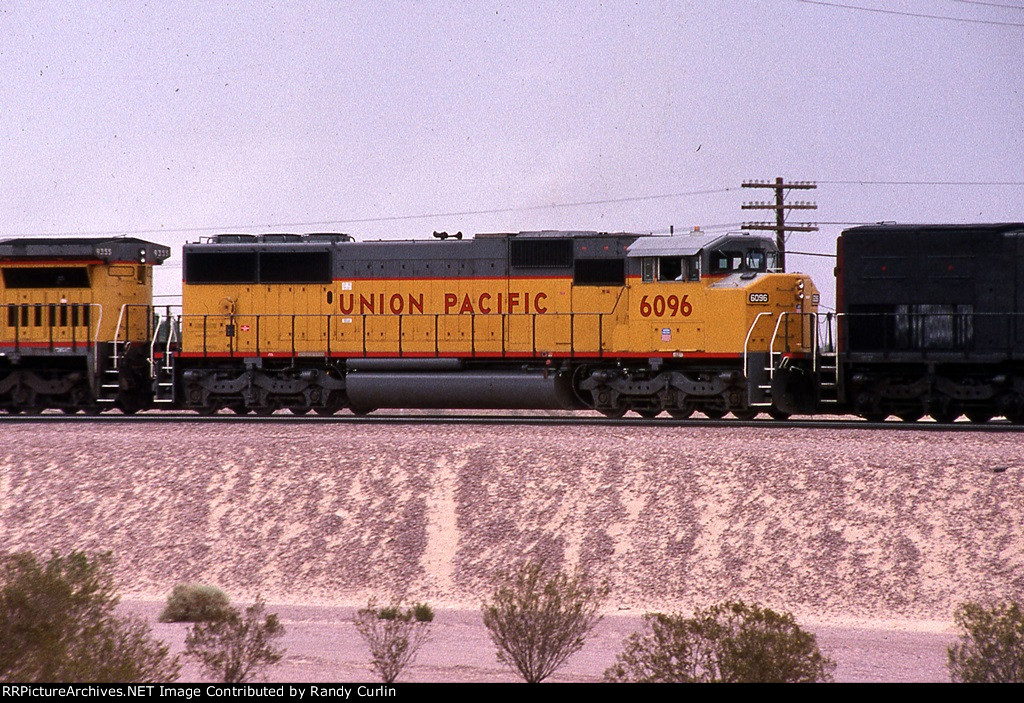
(362,411)
(647,413)
(299,409)
(69,411)
(680,413)
(265,410)
(206,410)
(979,417)
(238,409)
(776,414)
(746,414)
(325,411)
(714,413)
(92,410)
(874,416)
(946,416)
(910,415)
(612,412)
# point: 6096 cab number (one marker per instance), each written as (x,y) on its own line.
(660,305)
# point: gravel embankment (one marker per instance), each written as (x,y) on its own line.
(879,532)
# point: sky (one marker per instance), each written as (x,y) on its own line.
(176,120)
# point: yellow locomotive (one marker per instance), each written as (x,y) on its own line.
(75,323)
(610,321)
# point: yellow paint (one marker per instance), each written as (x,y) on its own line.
(116,291)
(493,317)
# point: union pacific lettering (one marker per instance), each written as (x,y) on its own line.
(454,304)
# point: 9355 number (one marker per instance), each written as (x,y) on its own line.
(659,305)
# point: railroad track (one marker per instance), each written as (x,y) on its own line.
(383,418)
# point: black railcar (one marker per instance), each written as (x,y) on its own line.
(931,321)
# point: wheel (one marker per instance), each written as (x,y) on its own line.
(714,413)
(206,410)
(979,416)
(746,414)
(362,411)
(776,414)
(238,409)
(610,412)
(92,410)
(69,411)
(680,413)
(647,413)
(265,410)
(945,416)
(299,409)
(874,416)
(325,411)
(910,415)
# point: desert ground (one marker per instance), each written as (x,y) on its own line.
(870,538)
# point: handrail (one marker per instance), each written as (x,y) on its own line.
(746,349)
(1012,322)
(399,324)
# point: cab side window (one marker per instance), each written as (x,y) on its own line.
(671,268)
(755,260)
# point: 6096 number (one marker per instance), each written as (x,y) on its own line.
(659,305)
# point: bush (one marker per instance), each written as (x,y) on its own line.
(194,603)
(57,624)
(394,635)
(991,645)
(539,619)
(236,647)
(731,642)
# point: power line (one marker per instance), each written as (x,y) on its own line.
(990,4)
(388,218)
(926,183)
(909,14)
(812,253)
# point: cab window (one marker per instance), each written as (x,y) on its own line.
(755,260)
(671,268)
(726,261)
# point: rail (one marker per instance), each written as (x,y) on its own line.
(410,335)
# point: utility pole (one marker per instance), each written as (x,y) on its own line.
(780,207)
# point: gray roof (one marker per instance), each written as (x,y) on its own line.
(688,244)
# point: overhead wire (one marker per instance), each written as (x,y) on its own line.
(901,13)
(991,4)
(389,218)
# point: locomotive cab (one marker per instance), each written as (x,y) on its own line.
(714,320)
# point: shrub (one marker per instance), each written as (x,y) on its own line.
(57,624)
(394,635)
(991,644)
(731,642)
(194,603)
(236,647)
(540,618)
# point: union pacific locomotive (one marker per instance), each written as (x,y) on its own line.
(928,321)
(614,322)
(75,323)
